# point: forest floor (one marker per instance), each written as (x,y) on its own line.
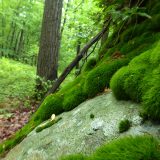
(17,82)
(13,119)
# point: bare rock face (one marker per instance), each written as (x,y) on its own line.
(79,132)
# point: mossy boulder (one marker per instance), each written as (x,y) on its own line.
(99,78)
(53,104)
(139,81)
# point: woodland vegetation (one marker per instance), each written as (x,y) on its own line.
(100,44)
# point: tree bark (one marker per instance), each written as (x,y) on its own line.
(47,66)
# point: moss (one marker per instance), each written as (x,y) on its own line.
(90,64)
(133,82)
(92,116)
(124,125)
(139,81)
(74,157)
(74,97)
(99,78)
(155,23)
(53,104)
(128,148)
(151,97)
(117,83)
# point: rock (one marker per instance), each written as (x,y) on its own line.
(78,133)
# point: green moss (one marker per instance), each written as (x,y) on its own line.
(74,97)
(74,157)
(53,104)
(117,83)
(155,23)
(124,125)
(99,78)
(90,64)
(128,148)
(151,97)
(133,82)
(139,81)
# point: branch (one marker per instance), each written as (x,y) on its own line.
(78,58)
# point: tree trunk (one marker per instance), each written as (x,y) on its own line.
(47,66)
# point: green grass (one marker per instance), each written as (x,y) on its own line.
(17,80)
(128,148)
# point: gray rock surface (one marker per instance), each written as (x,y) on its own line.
(77,132)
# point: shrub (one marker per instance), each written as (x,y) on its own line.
(100,77)
(117,83)
(74,97)
(124,125)
(53,104)
(90,64)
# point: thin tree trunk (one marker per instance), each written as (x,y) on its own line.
(65,17)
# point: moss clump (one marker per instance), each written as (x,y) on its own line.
(133,82)
(124,125)
(99,78)
(139,81)
(128,148)
(53,104)
(151,98)
(117,83)
(90,64)
(74,97)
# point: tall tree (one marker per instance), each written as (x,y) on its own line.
(47,66)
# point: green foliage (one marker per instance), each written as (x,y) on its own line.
(124,125)
(17,79)
(48,124)
(128,148)
(90,64)
(42,87)
(99,78)
(51,105)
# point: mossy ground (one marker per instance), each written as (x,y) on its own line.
(128,148)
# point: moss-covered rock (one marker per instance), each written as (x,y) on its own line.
(139,81)
(53,104)
(90,64)
(124,125)
(99,78)
(74,97)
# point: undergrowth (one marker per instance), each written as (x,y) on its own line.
(17,80)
